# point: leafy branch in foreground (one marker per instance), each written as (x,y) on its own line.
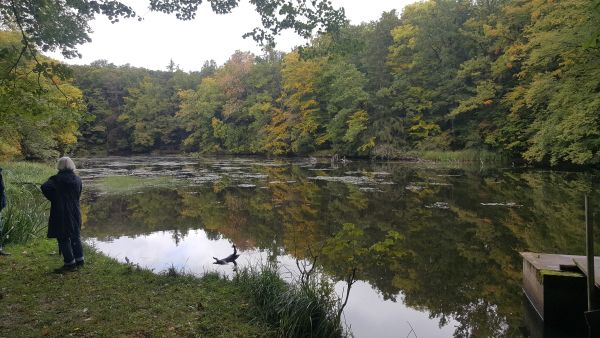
(62,25)
(40,110)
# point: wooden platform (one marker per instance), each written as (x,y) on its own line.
(581,262)
(550,262)
(555,287)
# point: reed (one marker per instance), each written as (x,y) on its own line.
(467,155)
(26,214)
(296,309)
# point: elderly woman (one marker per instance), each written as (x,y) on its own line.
(64,190)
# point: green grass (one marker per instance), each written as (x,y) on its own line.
(130,184)
(26,214)
(27,172)
(109,299)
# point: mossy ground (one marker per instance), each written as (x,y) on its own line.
(109,299)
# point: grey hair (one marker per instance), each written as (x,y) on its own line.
(65,163)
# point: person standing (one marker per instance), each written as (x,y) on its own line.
(63,190)
(2,206)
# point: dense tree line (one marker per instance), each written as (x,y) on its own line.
(132,109)
(510,76)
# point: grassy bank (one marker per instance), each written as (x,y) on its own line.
(109,299)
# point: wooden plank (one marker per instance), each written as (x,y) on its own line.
(550,262)
(533,287)
(581,262)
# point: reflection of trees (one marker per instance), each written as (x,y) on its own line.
(459,263)
(134,214)
(156,209)
(463,262)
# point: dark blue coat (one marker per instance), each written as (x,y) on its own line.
(63,190)
(2,194)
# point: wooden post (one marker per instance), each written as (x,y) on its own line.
(592,316)
(590,259)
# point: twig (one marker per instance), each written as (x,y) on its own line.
(350,281)
(304,273)
(412,330)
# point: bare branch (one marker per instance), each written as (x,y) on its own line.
(412,330)
(349,282)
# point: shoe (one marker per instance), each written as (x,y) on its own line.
(66,268)
(79,264)
(4,253)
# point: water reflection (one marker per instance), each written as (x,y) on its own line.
(367,313)
(162,250)
(438,247)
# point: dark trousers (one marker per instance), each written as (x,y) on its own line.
(71,249)
(1,229)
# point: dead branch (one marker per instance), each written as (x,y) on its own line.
(349,282)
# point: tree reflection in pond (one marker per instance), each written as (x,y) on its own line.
(444,241)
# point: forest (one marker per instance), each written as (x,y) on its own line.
(520,78)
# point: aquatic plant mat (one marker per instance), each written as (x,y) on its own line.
(109,299)
(133,184)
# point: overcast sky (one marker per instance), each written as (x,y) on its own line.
(152,42)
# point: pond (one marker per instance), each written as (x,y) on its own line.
(435,247)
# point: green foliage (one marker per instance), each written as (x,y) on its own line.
(299,101)
(63,26)
(514,77)
(39,111)
(149,115)
(132,109)
(220,112)
(559,96)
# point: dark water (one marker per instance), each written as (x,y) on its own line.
(435,248)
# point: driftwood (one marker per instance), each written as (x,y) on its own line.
(229,259)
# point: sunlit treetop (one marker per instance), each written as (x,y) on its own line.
(64,24)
